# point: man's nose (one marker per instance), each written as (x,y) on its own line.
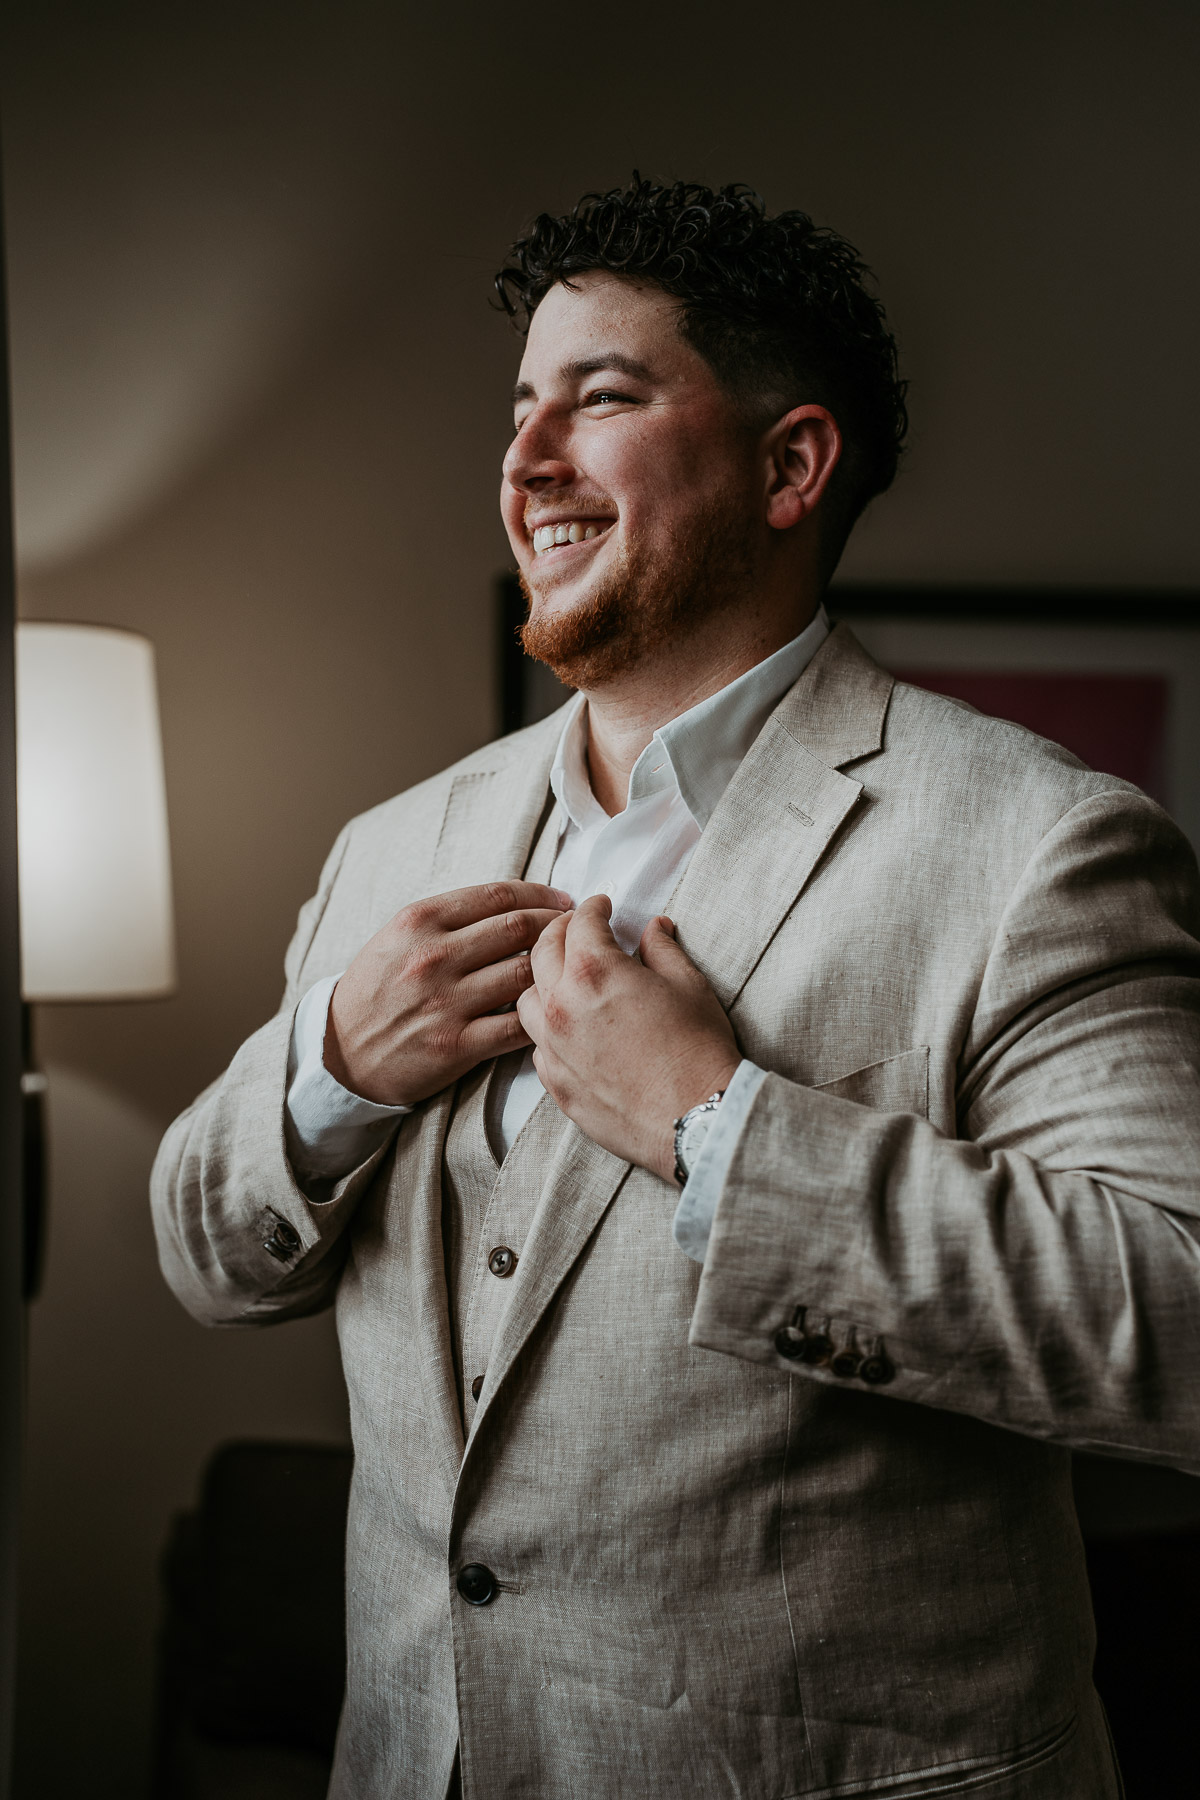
(536,457)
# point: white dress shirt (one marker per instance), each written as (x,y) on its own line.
(637,857)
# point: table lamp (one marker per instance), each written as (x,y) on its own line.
(92,847)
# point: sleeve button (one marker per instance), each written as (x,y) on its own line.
(877,1370)
(283,1242)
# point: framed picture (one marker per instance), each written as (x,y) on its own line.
(1113,675)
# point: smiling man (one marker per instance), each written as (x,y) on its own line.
(747,1122)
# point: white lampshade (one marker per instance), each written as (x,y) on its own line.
(94,862)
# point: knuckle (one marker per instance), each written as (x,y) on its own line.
(417,916)
(498,896)
(557,1017)
(428,962)
(513,1027)
(589,968)
(443,1041)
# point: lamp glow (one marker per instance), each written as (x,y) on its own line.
(94,860)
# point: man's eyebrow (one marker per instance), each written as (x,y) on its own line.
(591,365)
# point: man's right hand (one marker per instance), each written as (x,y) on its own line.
(419,1005)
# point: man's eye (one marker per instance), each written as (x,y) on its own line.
(605,397)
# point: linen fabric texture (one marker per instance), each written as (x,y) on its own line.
(636,857)
(970,966)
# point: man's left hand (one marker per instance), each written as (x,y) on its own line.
(624,1047)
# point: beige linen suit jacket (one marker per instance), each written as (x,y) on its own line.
(971,967)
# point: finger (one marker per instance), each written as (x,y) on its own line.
(532,1014)
(496,1035)
(487,990)
(549,953)
(466,906)
(588,927)
(660,952)
(494,940)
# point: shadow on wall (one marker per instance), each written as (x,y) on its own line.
(127,1397)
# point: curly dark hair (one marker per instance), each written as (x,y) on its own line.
(778,308)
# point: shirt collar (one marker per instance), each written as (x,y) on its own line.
(707,744)
(703,746)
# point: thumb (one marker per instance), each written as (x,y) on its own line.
(660,952)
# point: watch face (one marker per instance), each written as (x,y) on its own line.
(691,1138)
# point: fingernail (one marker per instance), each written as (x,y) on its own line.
(564,900)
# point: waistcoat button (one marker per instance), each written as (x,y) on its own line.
(476,1584)
(477,1387)
(502,1261)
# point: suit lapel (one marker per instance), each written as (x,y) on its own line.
(492,814)
(488,828)
(775,822)
(780,814)
(579,1184)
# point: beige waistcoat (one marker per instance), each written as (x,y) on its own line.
(488,1206)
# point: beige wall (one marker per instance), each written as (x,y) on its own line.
(260,407)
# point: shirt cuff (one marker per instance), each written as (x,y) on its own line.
(698,1202)
(329,1130)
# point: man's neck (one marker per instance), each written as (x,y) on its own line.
(624,715)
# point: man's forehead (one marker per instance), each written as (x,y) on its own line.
(601,320)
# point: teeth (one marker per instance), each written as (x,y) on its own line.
(546,536)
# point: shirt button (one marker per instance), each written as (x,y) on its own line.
(502,1261)
(477,1387)
(476,1584)
(607,890)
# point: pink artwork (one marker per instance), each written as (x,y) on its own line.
(1115,723)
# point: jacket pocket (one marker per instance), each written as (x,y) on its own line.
(897,1084)
(968,1776)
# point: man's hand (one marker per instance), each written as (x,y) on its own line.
(624,1047)
(419,1005)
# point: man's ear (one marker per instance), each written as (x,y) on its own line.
(803,449)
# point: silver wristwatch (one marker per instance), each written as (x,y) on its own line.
(690,1133)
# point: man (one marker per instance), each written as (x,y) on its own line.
(717,1320)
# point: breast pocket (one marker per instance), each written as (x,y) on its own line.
(896,1084)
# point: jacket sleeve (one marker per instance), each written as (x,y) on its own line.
(1041,1269)
(238,1242)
